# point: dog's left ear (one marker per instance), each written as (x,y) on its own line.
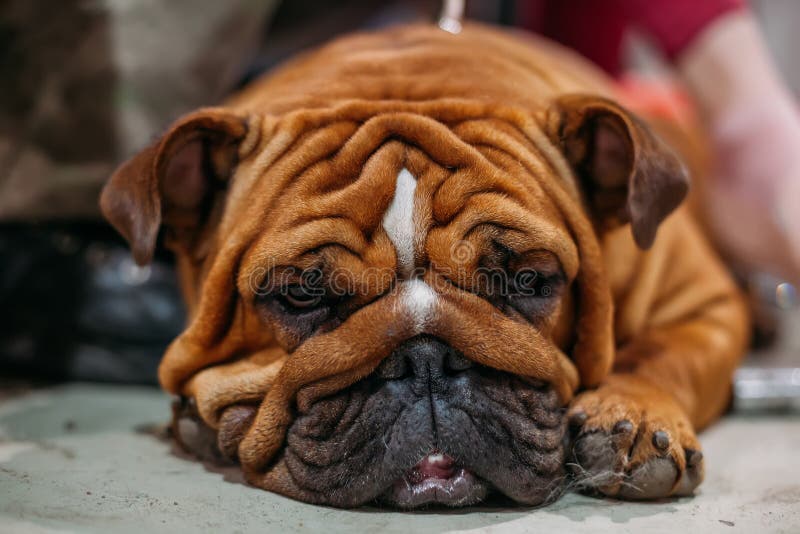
(174,181)
(627,173)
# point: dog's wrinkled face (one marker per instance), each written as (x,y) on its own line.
(425,273)
(434,422)
(382,304)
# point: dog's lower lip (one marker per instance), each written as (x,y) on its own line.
(436,479)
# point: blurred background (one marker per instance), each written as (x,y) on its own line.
(84,84)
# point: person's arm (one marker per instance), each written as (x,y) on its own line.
(597,29)
(754,207)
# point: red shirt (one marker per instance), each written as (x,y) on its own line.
(596,28)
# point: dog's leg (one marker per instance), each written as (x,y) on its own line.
(682,328)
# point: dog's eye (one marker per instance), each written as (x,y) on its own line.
(531,283)
(301,297)
(534,294)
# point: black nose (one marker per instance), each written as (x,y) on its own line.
(424,358)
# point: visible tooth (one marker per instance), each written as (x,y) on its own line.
(435,458)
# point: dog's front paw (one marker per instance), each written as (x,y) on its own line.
(194,435)
(632,441)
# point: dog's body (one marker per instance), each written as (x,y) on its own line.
(470,206)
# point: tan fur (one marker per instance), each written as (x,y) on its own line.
(476,117)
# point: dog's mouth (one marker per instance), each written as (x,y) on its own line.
(436,479)
(413,434)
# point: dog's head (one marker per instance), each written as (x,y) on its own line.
(394,300)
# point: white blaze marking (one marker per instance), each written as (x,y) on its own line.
(417,297)
(398,221)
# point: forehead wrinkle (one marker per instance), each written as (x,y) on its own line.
(451,194)
(539,232)
(260,182)
(294,243)
(295,150)
(336,192)
(534,151)
(315,221)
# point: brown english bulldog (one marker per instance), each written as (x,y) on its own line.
(422,268)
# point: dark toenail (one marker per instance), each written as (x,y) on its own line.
(623,427)
(578,419)
(660,440)
(693,457)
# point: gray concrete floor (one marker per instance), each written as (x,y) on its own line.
(85,458)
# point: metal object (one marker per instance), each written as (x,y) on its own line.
(452,15)
(770,379)
(767,389)
(772,291)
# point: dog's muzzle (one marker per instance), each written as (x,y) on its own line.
(437,478)
(428,426)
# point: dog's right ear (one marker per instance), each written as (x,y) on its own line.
(173,181)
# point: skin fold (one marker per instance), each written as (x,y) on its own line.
(423,268)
